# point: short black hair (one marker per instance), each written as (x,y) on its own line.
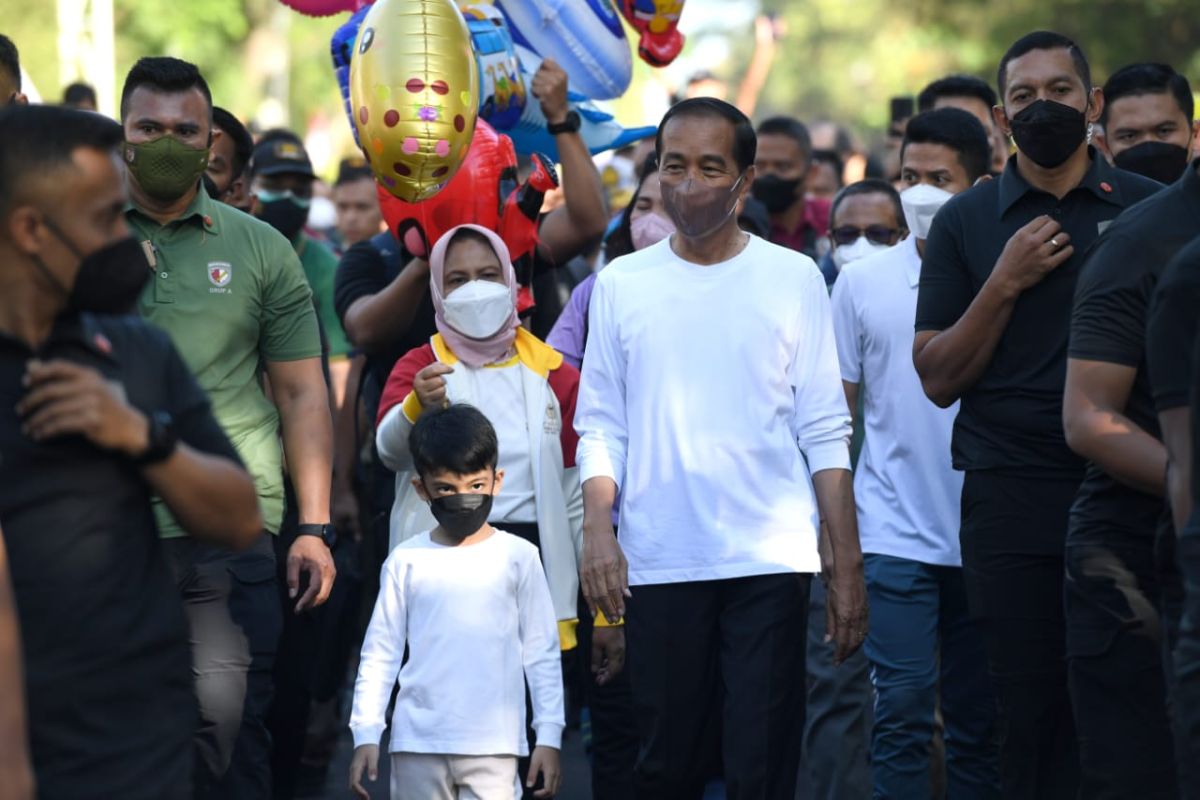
(164,74)
(1148,78)
(1044,40)
(955,86)
(868,186)
(792,128)
(243,142)
(959,130)
(833,160)
(283,134)
(77,93)
(745,142)
(38,139)
(457,439)
(351,170)
(620,241)
(10,61)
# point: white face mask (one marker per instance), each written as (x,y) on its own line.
(921,204)
(478,309)
(862,247)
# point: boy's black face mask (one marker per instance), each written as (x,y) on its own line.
(461,515)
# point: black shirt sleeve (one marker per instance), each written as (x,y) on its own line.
(1172,329)
(1108,322)
(945,292)
(360,273)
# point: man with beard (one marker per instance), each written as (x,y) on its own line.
(993,313)
(230,292)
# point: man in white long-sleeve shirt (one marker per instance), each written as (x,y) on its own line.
(472,605)
(711,395)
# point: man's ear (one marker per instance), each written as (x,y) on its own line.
(24,225)
(1095,104)
(419,485)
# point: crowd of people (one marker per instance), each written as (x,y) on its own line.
(809,475)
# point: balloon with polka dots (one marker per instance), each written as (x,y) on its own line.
(414,90)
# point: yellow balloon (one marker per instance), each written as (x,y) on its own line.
(414,88)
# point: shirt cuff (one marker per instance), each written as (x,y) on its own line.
(549,734)
(827,455)
(367,734)
(566,634)
(596,461)
(411,407)
(601,621)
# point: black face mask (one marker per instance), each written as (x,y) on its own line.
(776,193)
(461,515)
(285,216)
(109,280)
(1048,132)
(1161,161)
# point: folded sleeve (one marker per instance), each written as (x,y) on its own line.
(820,419)
(382,654)
(600,414)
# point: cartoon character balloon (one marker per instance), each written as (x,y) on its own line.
(414,90)
(656,21)
(502,90)
(324,8)
(485,191)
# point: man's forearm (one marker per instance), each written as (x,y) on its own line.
(599,497)
(1122,449)
(14,749)
(953,360)
(308,447)
(345,427)
(213,498)
(834,489)
(374,322)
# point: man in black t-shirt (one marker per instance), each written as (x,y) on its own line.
(97,414)
(992,321)
(1173,364)
(1113,585)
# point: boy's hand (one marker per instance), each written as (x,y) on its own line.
(366,757)
(544,762)
(430,386)
(608,653)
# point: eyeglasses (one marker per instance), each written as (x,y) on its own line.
(848,234)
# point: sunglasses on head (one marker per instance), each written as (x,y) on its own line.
(848,234)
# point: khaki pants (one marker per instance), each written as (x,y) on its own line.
(431,776)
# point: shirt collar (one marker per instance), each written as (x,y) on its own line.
(1100,179)
(202,209)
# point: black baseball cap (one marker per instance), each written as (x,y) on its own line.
(281,156)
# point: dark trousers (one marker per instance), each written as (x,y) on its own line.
(1013,534)
(233,609)
(922,638)
(1114,652)
(614,731)
(836,762)
(1187,660)
(718,656)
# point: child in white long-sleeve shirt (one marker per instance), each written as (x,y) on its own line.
(472,604)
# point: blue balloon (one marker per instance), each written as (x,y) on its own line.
(341,47)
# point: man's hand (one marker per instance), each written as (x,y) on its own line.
(846,614)
(549,86)
(544,761)
(366,759)
(343,510)
(311,555)
(608,653)
(1031,254)
(65,398)
(430,386)
(604,571)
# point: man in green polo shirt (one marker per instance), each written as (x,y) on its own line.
(230,292)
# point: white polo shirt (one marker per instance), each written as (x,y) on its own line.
(905,488)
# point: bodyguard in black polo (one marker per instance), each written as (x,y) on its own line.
(993,313)
(97,414)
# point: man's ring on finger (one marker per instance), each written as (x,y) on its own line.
(1054,242)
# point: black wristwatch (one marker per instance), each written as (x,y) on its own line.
(325,532)
(162,440)
(569,125)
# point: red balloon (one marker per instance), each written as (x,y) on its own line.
(325,8)
(484,191)
(656,21)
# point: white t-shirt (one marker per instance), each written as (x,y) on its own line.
(906,490)
(702,389)
(500,391)
(478,622)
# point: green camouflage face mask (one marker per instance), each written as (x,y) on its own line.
(165,168)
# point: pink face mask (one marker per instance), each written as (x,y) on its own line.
(649,229)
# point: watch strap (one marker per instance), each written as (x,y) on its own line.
(571,124)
